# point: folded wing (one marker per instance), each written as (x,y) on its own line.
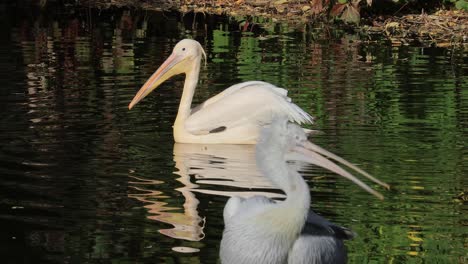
(249,103)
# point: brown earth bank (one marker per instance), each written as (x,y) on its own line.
(427,22)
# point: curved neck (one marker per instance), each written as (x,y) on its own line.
(273,165)
(191,80)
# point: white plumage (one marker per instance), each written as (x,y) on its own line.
(234,116)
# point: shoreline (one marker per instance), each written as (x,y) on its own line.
(443,28)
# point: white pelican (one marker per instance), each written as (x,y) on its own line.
(234,116)
(260,230)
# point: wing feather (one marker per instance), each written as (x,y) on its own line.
(249,102)
(318,226)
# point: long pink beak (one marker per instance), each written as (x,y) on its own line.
(162,73)
(312,153)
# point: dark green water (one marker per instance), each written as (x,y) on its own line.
(84,180)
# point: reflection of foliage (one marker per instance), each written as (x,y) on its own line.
(460,4)
(409,96)
(401,109)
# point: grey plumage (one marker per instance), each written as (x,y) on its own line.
(260,230)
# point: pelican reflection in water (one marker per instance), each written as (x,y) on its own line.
(234,116)
(261,230)
(211,169)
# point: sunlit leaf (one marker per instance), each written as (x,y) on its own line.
(280,2)
(351,15)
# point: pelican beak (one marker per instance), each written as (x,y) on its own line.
(164,72)
(311,153)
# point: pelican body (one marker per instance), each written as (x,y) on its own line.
(260,230)
(234,116)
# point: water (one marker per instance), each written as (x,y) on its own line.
(84,180)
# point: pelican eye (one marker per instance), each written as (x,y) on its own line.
(183,49)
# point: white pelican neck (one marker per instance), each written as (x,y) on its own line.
(191,80)
(272,163)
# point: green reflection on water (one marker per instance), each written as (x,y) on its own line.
(398,112)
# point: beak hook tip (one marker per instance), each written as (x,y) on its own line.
(379,196)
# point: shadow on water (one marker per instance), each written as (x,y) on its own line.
(86,180)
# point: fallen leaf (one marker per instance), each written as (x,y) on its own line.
(443,44)
(351,15)
(392,25)
(280,2)
(337,9)
(317,6)
(280,9)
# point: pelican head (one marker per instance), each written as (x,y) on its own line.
(281,134)
(185,56)
(290,140)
